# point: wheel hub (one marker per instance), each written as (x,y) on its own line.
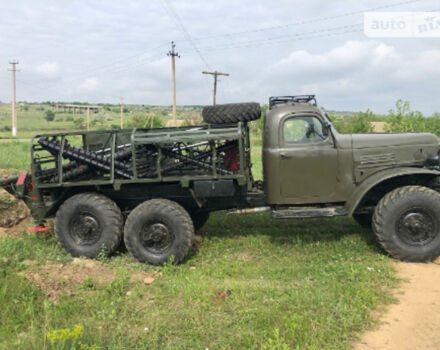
(85,229)
(417,227)
(156,237)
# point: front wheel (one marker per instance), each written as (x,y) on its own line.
(407,223)
(158,229)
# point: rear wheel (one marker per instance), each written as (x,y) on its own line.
(89,224)
(158,229)
(407,223)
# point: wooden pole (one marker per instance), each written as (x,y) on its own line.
(122,112)
(14,107)
(215,74)
(88,118)
(173,55)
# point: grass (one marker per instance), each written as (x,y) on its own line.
(31,118)
(15,156)
(296,284)
(308,284)
(5,201)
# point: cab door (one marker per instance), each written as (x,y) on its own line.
(308,161)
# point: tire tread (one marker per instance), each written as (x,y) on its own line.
(380,215)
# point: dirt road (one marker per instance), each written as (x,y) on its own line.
(413,323)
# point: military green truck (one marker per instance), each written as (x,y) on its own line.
(153,188)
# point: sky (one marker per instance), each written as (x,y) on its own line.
(99,51)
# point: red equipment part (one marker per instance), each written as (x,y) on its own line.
(41,228)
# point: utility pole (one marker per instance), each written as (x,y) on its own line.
(14,108)
(121,100)
(215,74)
(173,56)
(88,118)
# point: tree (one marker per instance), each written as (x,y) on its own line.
(403,119)
(49,115)
(354,124)
(361,123)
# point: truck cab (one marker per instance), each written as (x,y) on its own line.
(300,156)
(387,181)
(306,161)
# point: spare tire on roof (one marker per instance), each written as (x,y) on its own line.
(231,113)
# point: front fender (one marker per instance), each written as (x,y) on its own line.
(375,179)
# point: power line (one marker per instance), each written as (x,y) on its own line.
(308,21)
(103,69)
(297,36)
(121,69)
(178,21)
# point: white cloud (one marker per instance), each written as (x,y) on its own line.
(98,51)
(359,72)
(89,85)
(48,68)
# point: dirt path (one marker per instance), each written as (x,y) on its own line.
(413,323)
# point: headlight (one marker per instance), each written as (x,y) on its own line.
(432,160)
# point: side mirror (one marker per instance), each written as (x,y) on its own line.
(327,127)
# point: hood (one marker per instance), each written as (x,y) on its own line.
(376,152)
(393,140)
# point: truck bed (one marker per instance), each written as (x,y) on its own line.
(121,157)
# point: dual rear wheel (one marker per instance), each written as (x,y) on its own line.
(91,225)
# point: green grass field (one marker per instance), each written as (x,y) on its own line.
(31,118)
(305,284)
(294,284)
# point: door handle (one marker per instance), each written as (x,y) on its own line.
(285,156)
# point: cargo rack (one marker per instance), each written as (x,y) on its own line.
(277,100)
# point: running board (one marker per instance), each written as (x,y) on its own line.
(302,212)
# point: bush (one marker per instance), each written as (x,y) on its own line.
(139,120)
(361,123)
(403,119)
(7,128)
(356,124)
(191,118)
(49,115)
(79,123)
(258,125)
(98,120)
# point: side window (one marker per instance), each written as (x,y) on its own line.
(303,129)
